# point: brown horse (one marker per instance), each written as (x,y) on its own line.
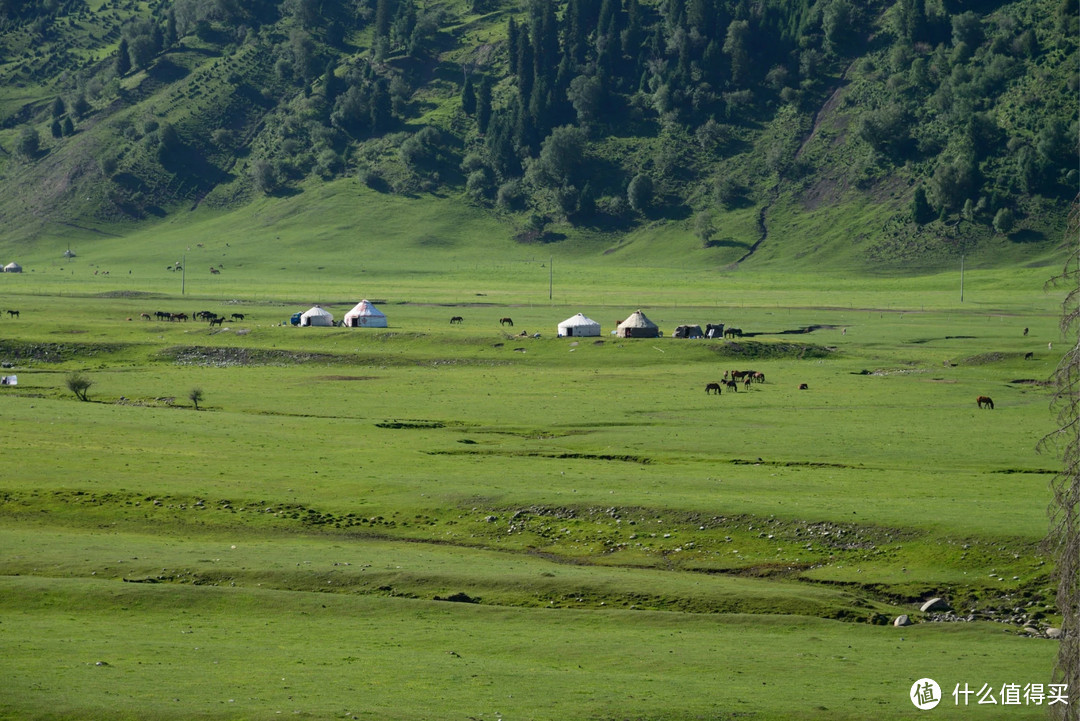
(759,376)
(985,402)
(747,380)
(710,387)
(506,321)
(456,319)
(145,316)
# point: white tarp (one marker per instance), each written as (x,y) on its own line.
(9,381)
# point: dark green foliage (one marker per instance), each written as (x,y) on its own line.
(28,144)
(639,193)
(562,157)
(123,58)
(468,96)
(887,130)
(264,176)
(1004,221)
(921,212)
(483,104)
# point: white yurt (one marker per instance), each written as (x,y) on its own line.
(12,267)
(637,326)
(316,316)
(365,315)
(578,325)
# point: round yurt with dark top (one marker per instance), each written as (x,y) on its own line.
(577,326)
(316,316)
(364,315)
(637,326)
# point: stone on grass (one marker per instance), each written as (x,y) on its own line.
(902,621)
(935,604)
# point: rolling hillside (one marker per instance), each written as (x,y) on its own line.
(860,136)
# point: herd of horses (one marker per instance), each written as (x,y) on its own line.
(731,380)
(204,315)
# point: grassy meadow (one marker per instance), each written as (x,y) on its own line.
(435,521)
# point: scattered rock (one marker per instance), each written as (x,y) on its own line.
(902,621)
(1053,633)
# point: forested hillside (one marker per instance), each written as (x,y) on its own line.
(946,119)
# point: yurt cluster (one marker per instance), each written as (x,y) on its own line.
(365,315)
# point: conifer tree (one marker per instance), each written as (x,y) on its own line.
(123,58)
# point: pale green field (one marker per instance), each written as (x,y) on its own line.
(635,548)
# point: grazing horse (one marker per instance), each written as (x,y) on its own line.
(732,332)
(710,387)
(732,385)
(162,315)
(804,387)
(456,319)
(985,402)
(739,375)
(759,376)
(145,316)
(179,316)
(1025,331)
(747,380)
(237,316)
(1029,356)
(217,321)
(13,313)
(506,321)
(214,271)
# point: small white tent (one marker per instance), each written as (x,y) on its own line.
(316,316)
(578,325)
(637,326)
(13,267)
(365,315)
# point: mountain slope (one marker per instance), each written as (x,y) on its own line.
(865,135)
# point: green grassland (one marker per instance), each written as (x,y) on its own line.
(620,544)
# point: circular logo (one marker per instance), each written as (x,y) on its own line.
(925,694)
